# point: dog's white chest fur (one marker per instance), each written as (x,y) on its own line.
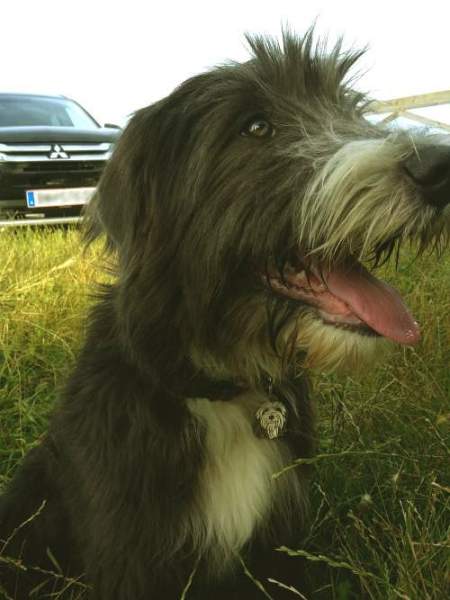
(236,487)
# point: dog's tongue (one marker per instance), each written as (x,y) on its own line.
(374,302)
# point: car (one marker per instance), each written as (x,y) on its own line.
(52,153)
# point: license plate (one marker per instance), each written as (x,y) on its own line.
(62,197)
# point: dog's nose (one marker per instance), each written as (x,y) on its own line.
(429,168)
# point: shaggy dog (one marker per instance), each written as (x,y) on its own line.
(240,210)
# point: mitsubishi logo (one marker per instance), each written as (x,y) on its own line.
(57,152)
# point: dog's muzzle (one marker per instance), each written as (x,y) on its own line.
(429,169)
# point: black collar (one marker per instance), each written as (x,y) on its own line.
(202,386)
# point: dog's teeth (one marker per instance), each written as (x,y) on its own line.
(410,334)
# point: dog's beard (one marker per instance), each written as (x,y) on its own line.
(327,347)
(362,204)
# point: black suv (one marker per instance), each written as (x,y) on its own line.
(52,153)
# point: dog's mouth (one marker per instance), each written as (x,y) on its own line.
(348,296)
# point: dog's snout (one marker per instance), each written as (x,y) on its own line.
(429,168)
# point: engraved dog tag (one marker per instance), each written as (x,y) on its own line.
(271,419)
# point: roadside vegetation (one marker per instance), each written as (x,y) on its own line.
(380,495)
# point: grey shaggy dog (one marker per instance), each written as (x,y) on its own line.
(240,210)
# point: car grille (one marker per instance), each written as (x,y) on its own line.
(42,152)
(29,166)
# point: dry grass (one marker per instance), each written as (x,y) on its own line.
(380,497)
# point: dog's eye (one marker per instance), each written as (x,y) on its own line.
(258,127)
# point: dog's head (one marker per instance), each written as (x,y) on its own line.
(243,205)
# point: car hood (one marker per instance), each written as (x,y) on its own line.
(57,134)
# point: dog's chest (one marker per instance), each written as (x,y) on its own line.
(237,489)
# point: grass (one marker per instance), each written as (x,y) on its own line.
(381,487)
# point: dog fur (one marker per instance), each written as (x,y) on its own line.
(152,480)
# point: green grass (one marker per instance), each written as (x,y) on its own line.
(381,486)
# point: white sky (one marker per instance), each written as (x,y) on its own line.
(114,57)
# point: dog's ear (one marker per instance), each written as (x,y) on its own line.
(130,206)
(124,203)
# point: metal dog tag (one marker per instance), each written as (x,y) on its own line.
(271,419)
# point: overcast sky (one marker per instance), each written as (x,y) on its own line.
(114,57)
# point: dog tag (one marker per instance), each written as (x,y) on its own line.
(271,419)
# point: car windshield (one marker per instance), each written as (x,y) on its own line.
(40,111)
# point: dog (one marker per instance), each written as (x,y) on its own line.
(245,213)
